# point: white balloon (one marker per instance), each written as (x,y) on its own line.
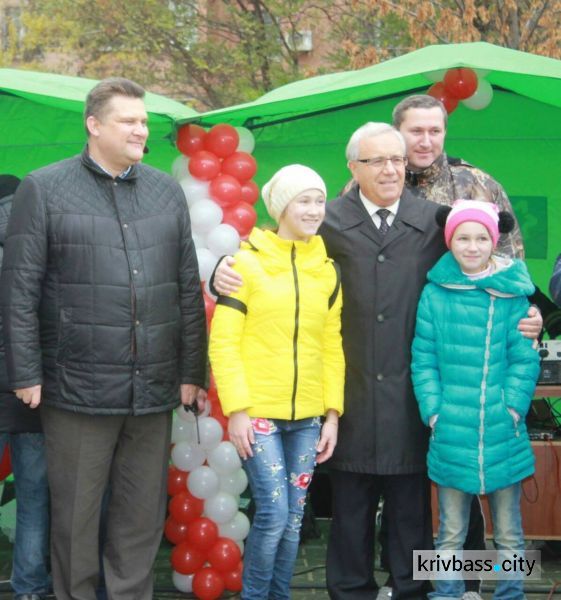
(207,261)
(221,508)
(194,189)
(189,416)
(205,216)
(187,456)
(247,140)
(435,76)
(199,240)
(203,482)
(223,239)
(210,433)
(237,529)
(183,431)
(482,96)
(183,583)
(180,167)
(241,546)
(224,459)
(234,483)
(184,415)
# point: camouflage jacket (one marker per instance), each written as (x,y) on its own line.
(449,179)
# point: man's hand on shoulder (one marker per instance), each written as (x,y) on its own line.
(30,395)
(227,281)
(531,326)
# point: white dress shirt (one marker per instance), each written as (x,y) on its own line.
(371,209)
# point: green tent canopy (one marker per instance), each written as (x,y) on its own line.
(517,138)
(41,121)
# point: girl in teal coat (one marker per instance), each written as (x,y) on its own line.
(474,376)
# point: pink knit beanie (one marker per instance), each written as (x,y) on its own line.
(479,211)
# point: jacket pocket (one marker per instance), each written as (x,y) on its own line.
(511,418)
(63,337)
(433,426)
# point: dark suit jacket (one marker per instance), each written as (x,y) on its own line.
(382,279)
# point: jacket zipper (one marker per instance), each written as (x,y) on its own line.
(132,286)
(483,395)
(296,321)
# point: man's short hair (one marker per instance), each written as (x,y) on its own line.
(416,101)
(100,95)
(369,130)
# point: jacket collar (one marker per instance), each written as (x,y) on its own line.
(428,175)
(90,164)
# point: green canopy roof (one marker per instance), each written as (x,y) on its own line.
(41,120)
(69,93)
(532,76)
(517,138)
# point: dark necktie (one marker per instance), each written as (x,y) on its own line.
(383,213)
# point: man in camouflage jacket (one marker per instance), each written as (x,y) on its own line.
(448,179)
(433,175)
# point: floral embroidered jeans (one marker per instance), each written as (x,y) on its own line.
(279,473)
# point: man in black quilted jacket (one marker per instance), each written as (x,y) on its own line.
(20,431)
(104,328)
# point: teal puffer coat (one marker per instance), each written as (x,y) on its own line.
(470,365)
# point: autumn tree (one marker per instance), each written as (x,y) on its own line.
(393,27)
(217,53)
(220,52)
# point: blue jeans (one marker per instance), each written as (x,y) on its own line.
(30,556)
(279,473)
(454,506)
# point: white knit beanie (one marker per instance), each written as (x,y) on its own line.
(286,184)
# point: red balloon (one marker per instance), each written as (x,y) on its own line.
(210,306)
(215,405)
(211,382)
(177,480)
(233,579)
(212,396)
(185,508)
(242,217)
(439,92)
(250,192)
(225,190)
(185,559)
(175,532)
(190,139)
(224,555)
(240,165)
(5,463)
(460,83)
(202,533)
(204,165)
(222,140)
(208,584)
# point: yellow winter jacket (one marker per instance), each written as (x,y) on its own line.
(275,345)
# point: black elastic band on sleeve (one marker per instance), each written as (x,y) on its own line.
(333,296)
(232,303)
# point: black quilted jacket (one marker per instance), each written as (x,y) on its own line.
(15,416)
(100,292)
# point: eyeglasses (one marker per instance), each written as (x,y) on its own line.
(379,162)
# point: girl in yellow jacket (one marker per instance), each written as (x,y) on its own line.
(276,354)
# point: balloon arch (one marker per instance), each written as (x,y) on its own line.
(205,479)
